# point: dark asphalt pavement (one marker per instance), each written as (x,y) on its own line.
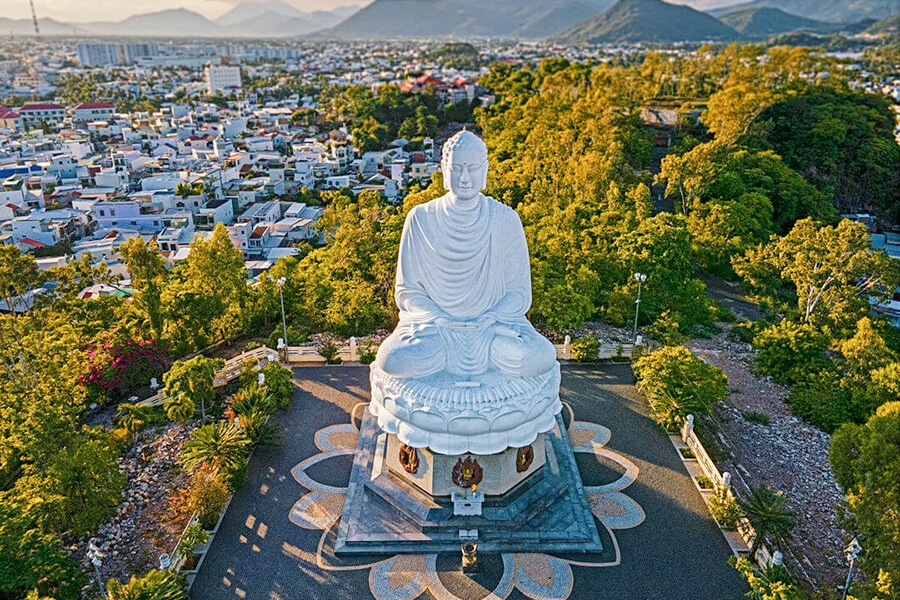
(677,553)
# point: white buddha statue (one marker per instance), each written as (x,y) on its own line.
(463,288)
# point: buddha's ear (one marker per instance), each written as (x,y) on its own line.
(483,182)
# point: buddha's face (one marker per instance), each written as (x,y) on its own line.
(467,173)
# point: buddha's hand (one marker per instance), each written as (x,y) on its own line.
(485,321)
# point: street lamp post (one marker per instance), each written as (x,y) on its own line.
(852,553)
(281,281)
(640,278)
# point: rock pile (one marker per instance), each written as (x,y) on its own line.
(147,522)
(787,454)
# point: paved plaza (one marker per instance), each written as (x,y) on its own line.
(659,543)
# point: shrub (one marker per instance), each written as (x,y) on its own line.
(586,349)
(207,496)
(329,351)
(366,353)
(256,427)
(156,585)
(757,417)
(704,482)
(116,366)
(280,382)
(768,584)
(826,401)
(742,332)
(193,536)
(677,383)
(666,330)
(722,314)
(789,352)
(253,399)
(724,508)
(252,346)
(687,453)
(248,372)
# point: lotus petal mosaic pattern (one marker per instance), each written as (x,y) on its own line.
(538,576)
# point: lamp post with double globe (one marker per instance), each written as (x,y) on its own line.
(640,278)
(281,281)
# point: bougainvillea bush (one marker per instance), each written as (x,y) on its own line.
(116,366)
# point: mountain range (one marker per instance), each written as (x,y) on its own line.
(569,21)
(764,22)
(249,19)
(835,11)
(647,21)
(387,19)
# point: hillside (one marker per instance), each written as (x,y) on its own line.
(247,11)
(835,11)
(764,22)
(889,27)
(647,21)
(390,19)
(177,22)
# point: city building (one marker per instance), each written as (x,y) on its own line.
(222,78)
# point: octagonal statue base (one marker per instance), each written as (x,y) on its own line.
(389,510)
(501,472)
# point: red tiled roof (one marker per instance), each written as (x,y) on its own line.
(418,157)
(32,243)
(8,113)
(42,106)
(88,105)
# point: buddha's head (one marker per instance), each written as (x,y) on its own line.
(464,164)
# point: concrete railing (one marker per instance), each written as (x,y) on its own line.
(708,467)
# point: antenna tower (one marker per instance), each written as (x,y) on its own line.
(37,30)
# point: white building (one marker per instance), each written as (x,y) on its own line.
(222,78)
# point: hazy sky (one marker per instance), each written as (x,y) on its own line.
(116,10)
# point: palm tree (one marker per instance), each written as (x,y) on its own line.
(180,408)
(768,513)
(220,446)
(156,585)
(253,399)
(133,418)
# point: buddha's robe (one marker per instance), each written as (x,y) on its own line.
(461,261)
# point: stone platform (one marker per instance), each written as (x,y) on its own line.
(547,512)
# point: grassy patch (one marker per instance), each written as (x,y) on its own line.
(757,417)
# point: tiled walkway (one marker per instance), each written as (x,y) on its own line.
(659,543)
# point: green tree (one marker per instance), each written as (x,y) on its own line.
(18,274)
(133,418)
(32,560)
(677,383)
(789,352)
(148,272)
(866,464)
(842,141)
(220,447)
(831,271)
(155,585)
(75,489)
(768,513)
(190,383)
